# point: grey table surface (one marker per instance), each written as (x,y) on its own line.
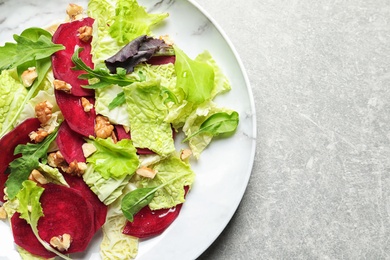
(320,75)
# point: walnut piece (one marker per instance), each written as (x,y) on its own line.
(76,168)
(146,172)
(62,243)
(43,111)
(103,127)
(62,85)
(56,159)
(74,12)
(85,33)
(166,39)
(86,104)
(3,213)
(38,136)
(36,176)
(28,76)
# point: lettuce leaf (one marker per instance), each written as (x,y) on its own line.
(173,193)
(115,244)
(131,20)
(113,160)
(12,94)
(194,77)
(107,190)
(147,111)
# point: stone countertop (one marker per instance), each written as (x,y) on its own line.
(320,75)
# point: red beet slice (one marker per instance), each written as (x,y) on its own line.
(78,120)
(99,208)
(67,34)
(70,144)
(8,143)
(148,223)
(160,60)
(65,212)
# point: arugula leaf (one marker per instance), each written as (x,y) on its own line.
(28,47)
(134,201)
(100,75)
(218,123)
(30,209)
(9,58)
(117,101)
(21,167)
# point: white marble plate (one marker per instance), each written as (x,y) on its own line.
(224,168)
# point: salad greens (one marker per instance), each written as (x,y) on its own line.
(32,155)
(152,102)
(113,160)
(33,48)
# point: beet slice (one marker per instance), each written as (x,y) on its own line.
(148,223)
(100,210)
(19,135)
(65,212)
(73,111)
(160,60)
(67,34)
(70,144)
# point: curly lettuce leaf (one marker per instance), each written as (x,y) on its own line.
(132,20)
(113,160)
(147,112)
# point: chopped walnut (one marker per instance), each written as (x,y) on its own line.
(85,33)
(3,213)
(36,176)
(88,149)
(86,104)
(38,136)
(76,168)
(185,154)
(103,127)
(43,111)
(74,11)
(166,39)
(62,243)
(56,159)
(146,172)
(62,85)
(28,76)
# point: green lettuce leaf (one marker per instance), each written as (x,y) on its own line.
(174,170)
(12,94)
(52,174)
(107,190)
(113,160)
(147,111)
(131,20)
(194,77)
(115,244)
